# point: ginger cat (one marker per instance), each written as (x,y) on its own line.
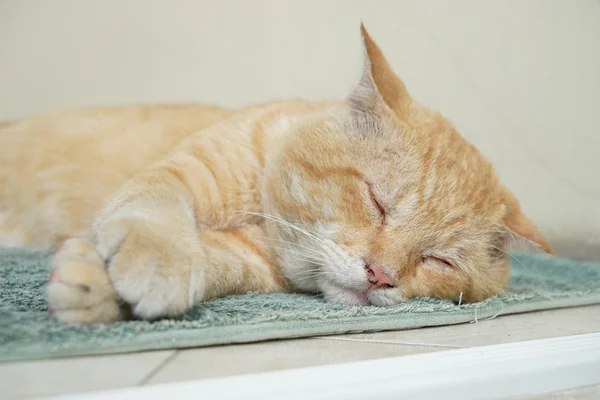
(369,201)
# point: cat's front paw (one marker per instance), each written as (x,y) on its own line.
(155,267)
(79,290)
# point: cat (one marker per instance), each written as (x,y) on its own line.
(372,200)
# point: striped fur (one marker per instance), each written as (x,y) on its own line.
(158,208)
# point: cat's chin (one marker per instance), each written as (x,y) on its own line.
(339,294)
(354,297)
(349,297)
(386,298)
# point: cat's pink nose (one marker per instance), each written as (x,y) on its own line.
(377,278)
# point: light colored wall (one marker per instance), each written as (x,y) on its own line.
(519,78)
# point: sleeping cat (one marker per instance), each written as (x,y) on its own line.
(152,209)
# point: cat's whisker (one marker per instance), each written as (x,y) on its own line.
(312,276)
(308,260)
(313,259)
(317,235)
(292,244)
(299,255)
(500,250)
(285,223)
(294,248)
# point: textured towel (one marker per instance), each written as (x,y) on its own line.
(27,332)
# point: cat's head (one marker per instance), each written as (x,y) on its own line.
(389,202)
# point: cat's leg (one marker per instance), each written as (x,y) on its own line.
(159,276)
(144,244)
(155,282)
(164,236)
(162,268)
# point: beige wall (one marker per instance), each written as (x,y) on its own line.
(519,78)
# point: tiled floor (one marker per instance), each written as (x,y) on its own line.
(25,379)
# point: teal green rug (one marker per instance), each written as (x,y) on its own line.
(27,332)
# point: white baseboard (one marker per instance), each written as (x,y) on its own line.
(498,371)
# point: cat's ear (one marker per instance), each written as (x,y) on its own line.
(521,226)
(379,90)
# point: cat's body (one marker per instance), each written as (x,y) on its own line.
(58,170)
(372,200)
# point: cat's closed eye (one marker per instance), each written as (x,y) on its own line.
(377,205)
(437,263)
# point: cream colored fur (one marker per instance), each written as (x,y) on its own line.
(158,208)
